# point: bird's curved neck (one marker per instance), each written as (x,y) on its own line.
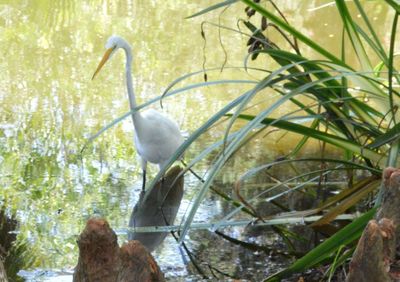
(129,84)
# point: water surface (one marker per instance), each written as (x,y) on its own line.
(49,107)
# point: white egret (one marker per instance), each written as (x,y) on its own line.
(156,136)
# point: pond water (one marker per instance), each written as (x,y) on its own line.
(49,107)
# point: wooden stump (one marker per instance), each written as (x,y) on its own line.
(137,262)
(375,255)
(101,259)
(371,260)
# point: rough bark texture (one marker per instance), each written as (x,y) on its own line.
(370,261)
(390,207)
(138,264)
(101,259)
(375,257)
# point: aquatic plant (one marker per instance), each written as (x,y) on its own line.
(350,107)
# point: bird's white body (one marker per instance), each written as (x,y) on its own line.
(156,136)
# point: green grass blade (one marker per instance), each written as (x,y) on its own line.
(395,148)
(261,85)
(343,164)
(392,135)
(188,75)
(395,5)
(313,67)
(213,7)
(326,249)
(388,137)
(238,223)
(349,164)
(376,41)
(192,138)
(245,130)
(319,135)
(235,143)
(353,35)
(347,203)
(166,94)
(105,128)
(282,24)
(374,46)
(345,193)
(288,190)
(333,267)
(200,156)
(305,138)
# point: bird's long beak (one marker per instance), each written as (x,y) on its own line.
(103,61)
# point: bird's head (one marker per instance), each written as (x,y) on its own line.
(113,43)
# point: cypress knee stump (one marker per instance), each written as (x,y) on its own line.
(375,258)
(101,259)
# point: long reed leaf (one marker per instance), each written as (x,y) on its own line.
(323,136)
(232,147)
(350,201)
(326,249)
(192,138)
(395,5)
(213,7)
(286,219)
(282,24)
(395,148)
(376,41)
(280,194)
(154,100)
(353,35)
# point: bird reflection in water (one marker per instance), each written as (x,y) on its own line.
(158,209)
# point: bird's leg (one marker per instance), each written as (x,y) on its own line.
(144,167)
(144,181)
(162,181)
(161,166)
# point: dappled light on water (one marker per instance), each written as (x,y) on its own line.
(54,180)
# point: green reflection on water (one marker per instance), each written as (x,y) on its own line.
(49,106)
